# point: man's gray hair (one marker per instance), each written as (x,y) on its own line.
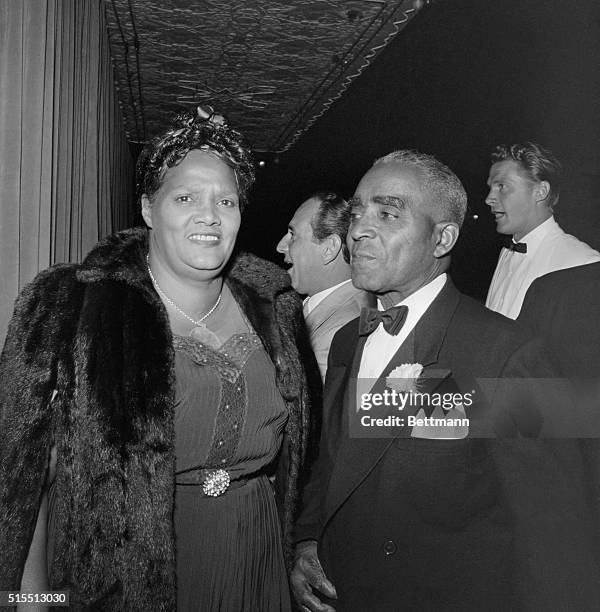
(443,187)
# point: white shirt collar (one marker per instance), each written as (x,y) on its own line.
(311,302)
(534,238)
(419,301)
(380,347)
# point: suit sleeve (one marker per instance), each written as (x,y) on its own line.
(545,487)
(308,525)
(527,316)
(27,381)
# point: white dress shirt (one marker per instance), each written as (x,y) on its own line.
(380,346)
(549,248)
(312,301)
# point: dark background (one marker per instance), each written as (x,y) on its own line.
(463,76)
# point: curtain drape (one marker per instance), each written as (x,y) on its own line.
(66,172)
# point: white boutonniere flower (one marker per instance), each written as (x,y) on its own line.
(404,378)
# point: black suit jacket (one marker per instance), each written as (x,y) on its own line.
(564,308)
(413,524)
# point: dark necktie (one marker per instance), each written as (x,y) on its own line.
(392,319)
(519,247)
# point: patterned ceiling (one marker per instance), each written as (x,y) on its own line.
(273,67)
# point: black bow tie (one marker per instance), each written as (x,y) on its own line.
(519,247)
(392,319)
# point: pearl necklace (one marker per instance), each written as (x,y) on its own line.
(197,323)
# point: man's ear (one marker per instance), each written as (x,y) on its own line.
(330,248)
(146,210)
(446,235)
(541,191)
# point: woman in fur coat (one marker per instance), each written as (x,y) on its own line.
(149,395)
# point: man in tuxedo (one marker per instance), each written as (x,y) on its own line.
(524,184)
(315,249)
(408,521)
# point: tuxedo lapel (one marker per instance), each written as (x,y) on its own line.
(427,340)
(338,372)
(432,328)
(356,457)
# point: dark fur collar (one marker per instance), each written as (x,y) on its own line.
(256,284)
(122,257)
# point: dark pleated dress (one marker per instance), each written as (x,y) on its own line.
(229,415)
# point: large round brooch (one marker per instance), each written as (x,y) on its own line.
(215,482)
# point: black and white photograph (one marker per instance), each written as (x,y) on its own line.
(300,305)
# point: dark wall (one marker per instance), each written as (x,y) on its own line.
(462,77)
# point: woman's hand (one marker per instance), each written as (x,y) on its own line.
(308,576)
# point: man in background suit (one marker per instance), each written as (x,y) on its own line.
(524,187)
(410,521)
(315,249)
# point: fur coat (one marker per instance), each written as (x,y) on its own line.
(88,365)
